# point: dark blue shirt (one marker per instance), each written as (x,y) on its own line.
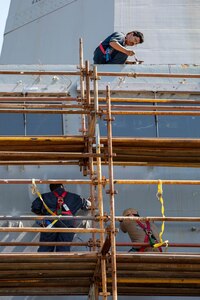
(114,37)
(73,201)
(99,57)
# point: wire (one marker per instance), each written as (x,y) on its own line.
(49,13)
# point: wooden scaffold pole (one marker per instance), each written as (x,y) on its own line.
(95,129)
(111,193)
(101,213)
(82,88)
(90,136)
(155,75)
(147,100)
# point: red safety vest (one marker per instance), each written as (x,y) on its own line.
(61,207)
(148,233)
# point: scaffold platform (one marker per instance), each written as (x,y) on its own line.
(139,274)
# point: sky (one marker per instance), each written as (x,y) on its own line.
(4,6)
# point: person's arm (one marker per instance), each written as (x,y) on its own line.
(37,206)
(86,204)
(120,48)
(124,225)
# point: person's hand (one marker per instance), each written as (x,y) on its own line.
(130,53)
(139,62)
(88,204)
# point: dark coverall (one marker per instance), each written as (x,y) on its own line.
(74,202)
(113,56)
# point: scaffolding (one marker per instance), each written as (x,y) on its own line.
(101,272)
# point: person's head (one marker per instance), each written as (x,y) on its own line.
(54,186)
(130,212)
(133,38)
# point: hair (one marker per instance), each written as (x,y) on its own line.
(54,186)
(138,34)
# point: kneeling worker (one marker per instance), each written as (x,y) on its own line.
(113,49)
(60,202)
(140,232)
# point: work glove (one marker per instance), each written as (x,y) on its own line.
(86,204)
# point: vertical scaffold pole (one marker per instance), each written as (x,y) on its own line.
(82,88)
(90,146)
(96,98)
(99,179)
(111,192)
(101,213)
(87,71)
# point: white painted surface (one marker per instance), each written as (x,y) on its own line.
(48,31)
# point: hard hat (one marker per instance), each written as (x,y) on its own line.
(130,211)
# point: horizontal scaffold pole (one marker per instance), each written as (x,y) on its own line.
(97,218)
(37,99)
(114,112)
(47,73)
(47,217)
(135,75)
(144,107)
(104,182)
(154,112)
(45,181)
(40,162)
(192,245)
(87,244)
(147,100)
(43,244)
(40,229)
(114,108)
(152,218)
(38,105)
(101,99)
(45,111)
(78,73)
(156,181)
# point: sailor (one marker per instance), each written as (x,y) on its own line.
(140,232)
(113,49)
(60,202)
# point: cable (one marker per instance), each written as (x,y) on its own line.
(39,17)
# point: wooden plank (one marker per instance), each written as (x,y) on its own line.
(81,265)
(159,291)
(14,274)
(72,257)
(160,151)
(128,266)
(45,291)
(138,274)
(164,273)
(46,282)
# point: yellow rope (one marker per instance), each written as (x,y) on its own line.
(36,191)
(160,198)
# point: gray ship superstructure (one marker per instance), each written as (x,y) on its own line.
(44,36)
